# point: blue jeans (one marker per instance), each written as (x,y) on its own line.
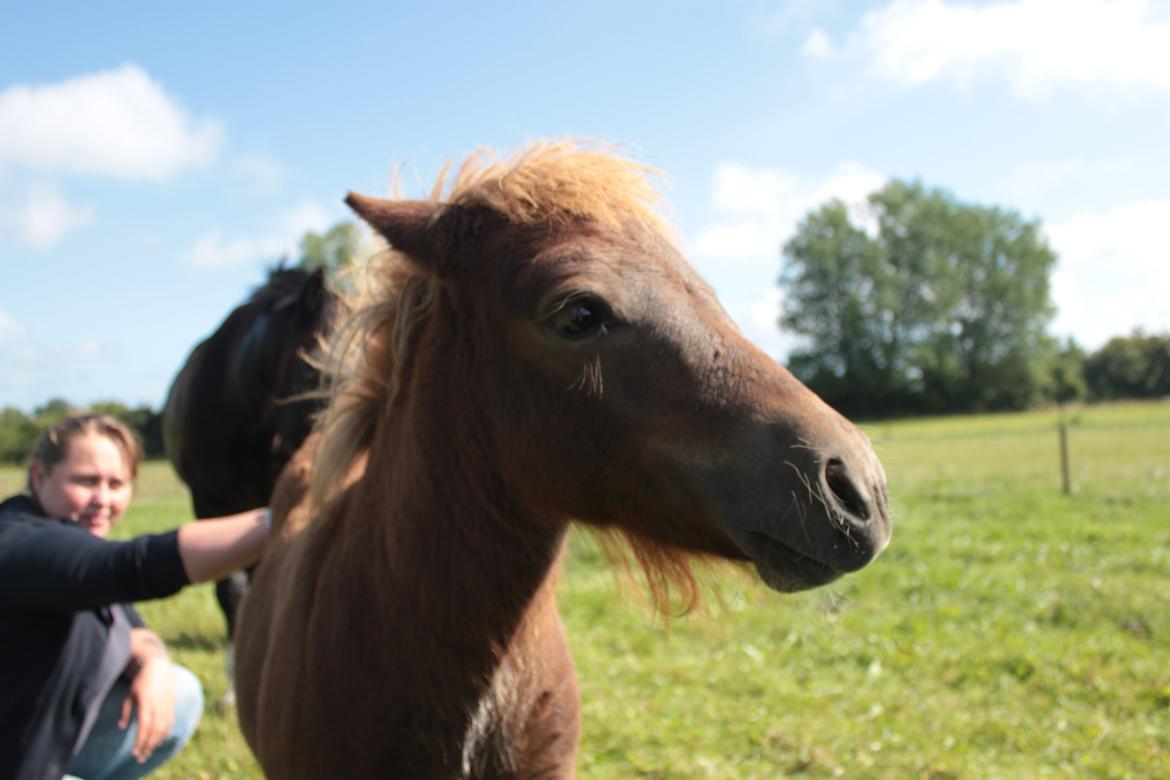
(106,752)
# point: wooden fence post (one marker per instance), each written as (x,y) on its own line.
(1064,481)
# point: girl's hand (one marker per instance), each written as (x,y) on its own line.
(152,695)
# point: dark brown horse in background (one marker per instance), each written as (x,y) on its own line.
(234,415)
(534,351)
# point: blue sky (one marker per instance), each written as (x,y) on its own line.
(156,158)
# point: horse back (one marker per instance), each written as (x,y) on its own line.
(218,446)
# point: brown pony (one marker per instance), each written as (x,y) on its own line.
(535,351)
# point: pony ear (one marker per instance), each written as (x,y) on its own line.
(408,225)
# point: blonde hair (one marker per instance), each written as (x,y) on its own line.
(560,181)
(54,442)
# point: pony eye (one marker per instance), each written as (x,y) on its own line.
(579,319)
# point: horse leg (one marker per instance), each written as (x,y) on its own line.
(229,592)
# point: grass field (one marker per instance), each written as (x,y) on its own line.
(1009,631)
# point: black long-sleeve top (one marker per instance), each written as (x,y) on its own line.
(58,583)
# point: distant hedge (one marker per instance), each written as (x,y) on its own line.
(1136,366)
(19,432)
(1127,367)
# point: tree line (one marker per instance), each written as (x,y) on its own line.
(916,303)
(1127,367)
(19,432)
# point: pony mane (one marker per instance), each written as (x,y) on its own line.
(559,182)
(368,353)
(364,361)
(281,281)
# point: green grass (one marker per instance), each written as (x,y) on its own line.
(1008,632)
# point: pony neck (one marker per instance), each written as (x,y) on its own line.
(459,545)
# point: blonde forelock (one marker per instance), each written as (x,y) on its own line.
(560,181)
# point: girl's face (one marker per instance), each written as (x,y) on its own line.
(91,486)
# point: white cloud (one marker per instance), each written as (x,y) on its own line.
(757,209)
(817,46)
(212,250)
(739,189)
(10,329)
(777,18)
(262,174)
(1046,177)
(305,216)
(764,312)
(90,348)
(760,322)
(743,239)
(1036,45)
(118,123)
(43,217)
(1114,272)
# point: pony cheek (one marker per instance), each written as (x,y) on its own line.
(557,469)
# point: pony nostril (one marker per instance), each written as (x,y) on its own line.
(844,490)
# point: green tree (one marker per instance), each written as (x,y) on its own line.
(51,411)
(835,279)
(1068,374)
(19,432)
(1135,366)
(18,435)
(1158,365)
(332,250)
(919,303)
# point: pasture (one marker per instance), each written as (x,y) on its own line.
(1008,631)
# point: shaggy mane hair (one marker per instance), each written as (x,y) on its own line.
(558,183)
(547,182)
(281,281)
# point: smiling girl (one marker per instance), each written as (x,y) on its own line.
(85,687)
